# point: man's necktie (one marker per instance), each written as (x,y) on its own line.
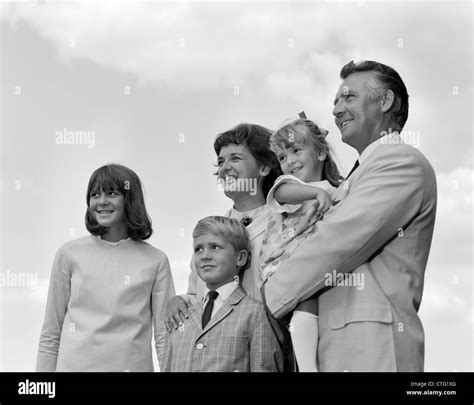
(206,315)
(356,165)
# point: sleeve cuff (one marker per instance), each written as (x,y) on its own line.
(46,362)
(274,204)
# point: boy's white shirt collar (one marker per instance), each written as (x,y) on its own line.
(386,139)
(224,293)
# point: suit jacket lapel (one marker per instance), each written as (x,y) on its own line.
(225,310)
(343,190)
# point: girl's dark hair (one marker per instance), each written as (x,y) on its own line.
(306,132)
(126,181)
(257,140)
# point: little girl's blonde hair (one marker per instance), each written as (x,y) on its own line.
(305,132)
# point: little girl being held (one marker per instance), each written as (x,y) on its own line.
(309,174)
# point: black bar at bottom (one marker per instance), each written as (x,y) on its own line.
(411,387)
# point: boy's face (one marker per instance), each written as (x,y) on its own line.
(216,260)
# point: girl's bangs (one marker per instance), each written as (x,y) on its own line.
(287,139)
(107,179)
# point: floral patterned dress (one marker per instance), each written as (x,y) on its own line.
(288,226)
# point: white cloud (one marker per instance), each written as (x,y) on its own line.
(292,51)
(452,242)
(450,262)
(200,46)
(447,303)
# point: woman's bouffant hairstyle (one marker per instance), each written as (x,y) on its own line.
(257,139)
(230,229)
(306,132)
(122,179)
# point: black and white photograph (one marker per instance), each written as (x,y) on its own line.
(255,187)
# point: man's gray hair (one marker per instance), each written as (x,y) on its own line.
(388,79)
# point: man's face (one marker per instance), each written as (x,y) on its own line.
(358,112)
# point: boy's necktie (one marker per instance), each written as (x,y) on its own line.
(206,315)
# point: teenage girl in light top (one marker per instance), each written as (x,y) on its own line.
(309,173)
(109,288)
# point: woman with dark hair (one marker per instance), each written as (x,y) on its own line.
(108,289)
(256,140)
(246,171)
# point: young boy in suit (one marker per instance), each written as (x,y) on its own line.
(228,331)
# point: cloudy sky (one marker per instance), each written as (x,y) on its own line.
(150,84)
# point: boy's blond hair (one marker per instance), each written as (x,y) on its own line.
(228,228)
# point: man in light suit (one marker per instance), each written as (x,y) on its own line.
(378,233)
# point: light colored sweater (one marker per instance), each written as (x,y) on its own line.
(102,302)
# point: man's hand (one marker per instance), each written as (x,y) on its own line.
(176,312)
(315,212)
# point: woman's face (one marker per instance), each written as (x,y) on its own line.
(238,171)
